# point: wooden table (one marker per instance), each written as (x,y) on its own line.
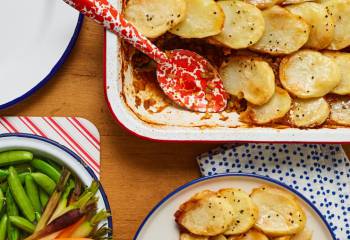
(136,174)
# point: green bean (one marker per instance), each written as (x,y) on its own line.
(32,193)
(2,200)
(44,182)
(44,198)
(15,157)
(3,174)
(19,195)
(3,186)
(3,227)
(12,231)
(22,176)
(22,223)
(46,168)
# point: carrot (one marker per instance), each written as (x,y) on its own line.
(67,232)
(73,239)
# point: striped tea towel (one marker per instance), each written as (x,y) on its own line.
(320,172)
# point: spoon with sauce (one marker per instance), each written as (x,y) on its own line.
(186,78)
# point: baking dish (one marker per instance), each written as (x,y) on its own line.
(158,121)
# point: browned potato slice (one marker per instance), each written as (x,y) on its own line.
(283,238)
(250,78)
(204,18)
(188,236)
(155,17)
(274,109)
(340,111)
(244,24)
(264,3)
(339,11)
(288,2)
(279,212)
(343,62)
(309,112)
(309,74)
(284,32)
(219,237)
(306,234)
(244,212)
(205,214)
(250,235)
(322,28)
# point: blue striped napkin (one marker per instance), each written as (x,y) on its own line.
(320,172)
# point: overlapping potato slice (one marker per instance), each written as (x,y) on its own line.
(250,235)
(284,32)
(340,111)
(244,24)
(309,112)
(309,74)
(204,18)
(218,237)
(278,106)
(279,212)
(205,214)
(244,212)
(322,27)
(262,4)
(288,2)
(283,238)
(155,17)
(306,234)
(339,11)
(343,62)
(249,77)
(188,236)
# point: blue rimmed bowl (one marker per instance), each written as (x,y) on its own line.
(60,154)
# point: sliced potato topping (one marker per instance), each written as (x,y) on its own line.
(309,112)
(343,62)
(264,3)
(244,24)
(188,236)
(339,11)
(284,32)
(250,235)
(306,234)
(274,109)
(340,111)
(309,74)
(155,17)
(279,212)
(288,2)
(322,27)
(250,78)
(205,214)
(244,212)
(204,18)
(218,237)
(283,238)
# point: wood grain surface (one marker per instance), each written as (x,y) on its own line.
(136,173)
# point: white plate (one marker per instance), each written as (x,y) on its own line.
(62,155)
(160,224)
(36,38)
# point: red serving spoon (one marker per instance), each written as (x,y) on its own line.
(185,77)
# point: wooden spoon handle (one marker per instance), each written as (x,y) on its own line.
(104,13)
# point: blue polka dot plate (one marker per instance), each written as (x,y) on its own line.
(160,224)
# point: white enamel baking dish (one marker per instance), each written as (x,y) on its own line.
(192,126)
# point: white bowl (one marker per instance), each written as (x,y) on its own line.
(62,155)
(160,221)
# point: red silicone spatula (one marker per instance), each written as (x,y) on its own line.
(185,77)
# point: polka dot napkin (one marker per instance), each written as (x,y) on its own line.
(320,172)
